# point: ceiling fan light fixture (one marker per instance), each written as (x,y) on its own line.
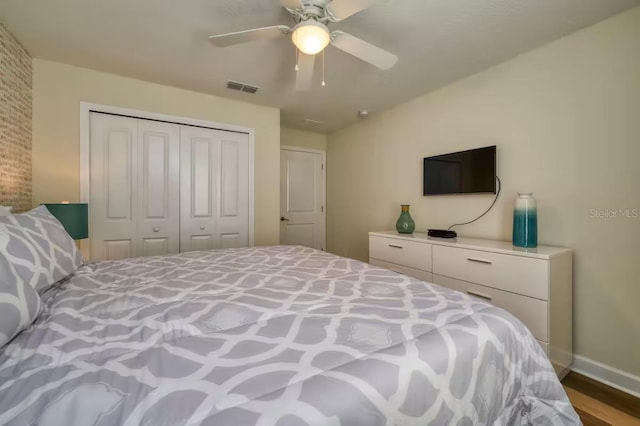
(311,37)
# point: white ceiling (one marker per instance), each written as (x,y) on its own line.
(165,41)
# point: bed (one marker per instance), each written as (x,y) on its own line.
(280,335)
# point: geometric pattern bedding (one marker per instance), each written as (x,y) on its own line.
(278,335)
(38,249)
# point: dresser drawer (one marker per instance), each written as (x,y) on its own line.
(415,273)
(416,255)
(532,312)
(516,274)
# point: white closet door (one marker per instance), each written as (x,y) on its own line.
(198,188)
(233,197)
(134,187)
(158,188)
(214,187)
(113,182)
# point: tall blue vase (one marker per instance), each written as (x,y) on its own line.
(525,221)
(405,224)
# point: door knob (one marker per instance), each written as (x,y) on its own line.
(202,228)
(282,219)
(156,229)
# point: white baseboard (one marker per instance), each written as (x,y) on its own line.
(610,376)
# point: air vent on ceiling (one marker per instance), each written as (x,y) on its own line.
(311,122)
(249,89)
(243,87)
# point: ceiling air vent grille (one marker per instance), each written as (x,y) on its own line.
(242,87)
(249,89)
(310,122)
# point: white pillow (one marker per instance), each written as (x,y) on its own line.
(5,210)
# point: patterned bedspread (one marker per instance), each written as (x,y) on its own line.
(272,336)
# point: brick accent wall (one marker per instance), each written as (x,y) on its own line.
(15,123)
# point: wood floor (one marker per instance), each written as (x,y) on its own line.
(600,405)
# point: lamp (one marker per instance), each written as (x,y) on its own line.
(74,218)
(310,37)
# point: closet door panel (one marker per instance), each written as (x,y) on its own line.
(113,181)
(159,188)
(154,246)
(200,242)
(199,158)
(231,241)
(114,249)
(233,205)
(229,177)
(118,172)
(155,182)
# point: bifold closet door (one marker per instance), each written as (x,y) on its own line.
(134,187)
(158,188)
(214,189)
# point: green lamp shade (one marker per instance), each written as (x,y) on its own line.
(74,217)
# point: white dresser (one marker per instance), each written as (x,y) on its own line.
(535,284)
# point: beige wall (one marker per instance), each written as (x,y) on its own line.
(15,123)
(566,120)
(303,139)
(58,90)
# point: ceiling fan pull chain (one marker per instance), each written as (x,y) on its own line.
(323,84)
(297,54)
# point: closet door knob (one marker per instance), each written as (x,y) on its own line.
(156,229)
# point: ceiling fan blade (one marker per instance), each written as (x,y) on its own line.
(363,50)
(304,75)
(342,9)
(291,4)
(266,33)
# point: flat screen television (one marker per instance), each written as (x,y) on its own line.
(465,172)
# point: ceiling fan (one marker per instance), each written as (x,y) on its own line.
(311,35)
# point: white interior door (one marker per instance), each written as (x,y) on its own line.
(302,194)
(214,186)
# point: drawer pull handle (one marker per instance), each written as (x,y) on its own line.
(473,259)
(395,246)
(480,295)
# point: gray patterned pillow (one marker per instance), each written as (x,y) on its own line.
(19,302)
(38,249)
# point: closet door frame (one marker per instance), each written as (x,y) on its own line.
(86,108)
